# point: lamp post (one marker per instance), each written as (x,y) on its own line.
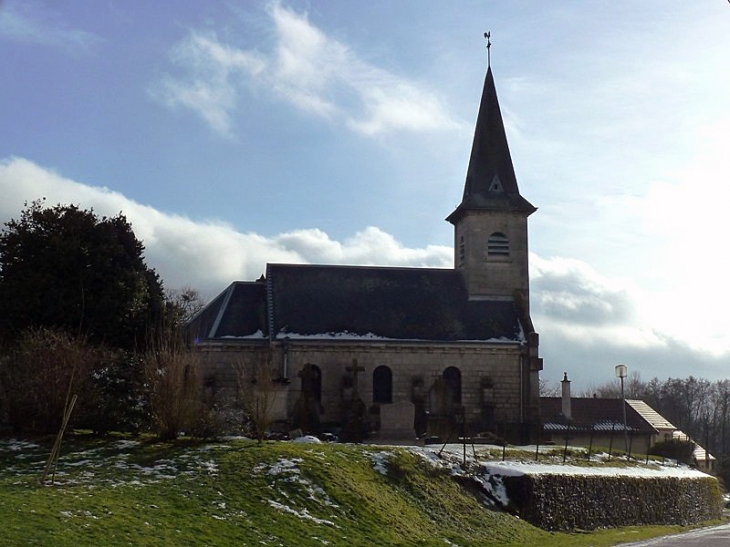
(621,372)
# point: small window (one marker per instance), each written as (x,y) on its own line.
(498,245)
(462,251)
(496,185)
(382,385)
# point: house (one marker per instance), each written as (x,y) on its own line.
(701,458)
(399,351)
(599,422)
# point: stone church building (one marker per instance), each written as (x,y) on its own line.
(398,352)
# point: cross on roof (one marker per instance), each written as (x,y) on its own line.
(488,35)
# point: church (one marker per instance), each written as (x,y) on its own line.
(402,353)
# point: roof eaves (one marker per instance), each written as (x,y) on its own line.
(221,310)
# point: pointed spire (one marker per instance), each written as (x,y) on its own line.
(490,178)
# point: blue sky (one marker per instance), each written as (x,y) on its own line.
(237,133)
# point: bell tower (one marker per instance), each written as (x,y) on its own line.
(490,223)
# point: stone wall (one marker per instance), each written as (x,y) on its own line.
(495,276)
(568,502)
(491,373)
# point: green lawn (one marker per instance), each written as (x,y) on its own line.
(125,492)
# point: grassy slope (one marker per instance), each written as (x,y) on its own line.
(242,493)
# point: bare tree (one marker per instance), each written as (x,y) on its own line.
(257,390)
(174,378)
(549,389)
(184,303)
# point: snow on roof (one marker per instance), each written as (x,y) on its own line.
(656,420)
(700,453)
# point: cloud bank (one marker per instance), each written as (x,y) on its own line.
(588,322)
(207,255)
(305,68)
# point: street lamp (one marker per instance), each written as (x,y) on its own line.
(621,372)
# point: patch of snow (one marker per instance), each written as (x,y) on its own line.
(14,445)
(495,490)
(282,466)
(258,335)
(307,439)
(380,460)
(303,514)
(79,463)
(210,466)
(124,443)
(507,469)
(345,335)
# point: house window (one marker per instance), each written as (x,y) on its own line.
(452,377)
(382,385)
(462,251)
(498,245)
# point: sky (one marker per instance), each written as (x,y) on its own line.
(236,133)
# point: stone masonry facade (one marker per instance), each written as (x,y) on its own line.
(494,378)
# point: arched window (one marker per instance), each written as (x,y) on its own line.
(498,245)
(452,377)
(382,385)
(462,251)
(311,377)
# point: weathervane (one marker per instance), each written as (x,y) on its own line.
(488,35)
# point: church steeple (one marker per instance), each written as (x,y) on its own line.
(490,223)
(490,179)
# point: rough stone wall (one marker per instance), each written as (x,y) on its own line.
(488,372)
(567,502)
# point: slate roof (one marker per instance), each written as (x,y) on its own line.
(587,412)
(358,302)
(238,312)
(491,183)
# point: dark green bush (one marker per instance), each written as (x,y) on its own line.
(674,449)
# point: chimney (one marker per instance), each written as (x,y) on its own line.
(566,397)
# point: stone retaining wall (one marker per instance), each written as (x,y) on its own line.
(568,502)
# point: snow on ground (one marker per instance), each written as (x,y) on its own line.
(308,439)
(481,463)
(380,460)
(95,462)
(506,469)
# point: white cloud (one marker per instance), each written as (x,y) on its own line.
(571,291)
(207,255)
(32,22)
(212,89)
(306,68)
(587,321)
(572,301)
